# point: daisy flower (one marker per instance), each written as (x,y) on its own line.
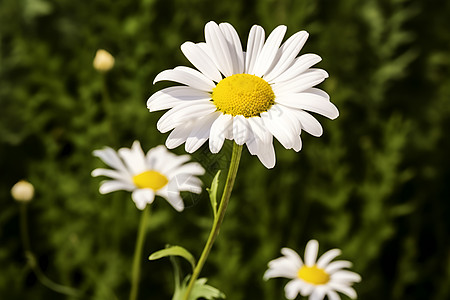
(157,173)
(315,279)
(247,96)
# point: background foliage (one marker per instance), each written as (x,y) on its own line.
(375,185)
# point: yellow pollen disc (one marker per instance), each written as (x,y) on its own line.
(150,180)
(243,94)
(313,275)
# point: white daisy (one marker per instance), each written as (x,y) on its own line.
(159,173)
(249,97)
(315,279)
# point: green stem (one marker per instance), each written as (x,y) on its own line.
(232,171)
(136,268)
(32,262)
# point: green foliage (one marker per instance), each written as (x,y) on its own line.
(201,290)
(375,185)
(174,251)
(213,193)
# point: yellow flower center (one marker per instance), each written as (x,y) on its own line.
(313,275)
(243,94)
(150,180)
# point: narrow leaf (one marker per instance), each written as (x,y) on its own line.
(174,251)
(201,290)
(213,193)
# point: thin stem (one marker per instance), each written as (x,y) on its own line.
(136,268)
(232,171)
(32,262)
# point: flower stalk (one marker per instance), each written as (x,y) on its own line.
(136,267)
(232,172)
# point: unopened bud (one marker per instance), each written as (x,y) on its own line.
(22,191)
(103,61)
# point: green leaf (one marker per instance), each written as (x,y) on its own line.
(174,251)
(200,290)
(213,193)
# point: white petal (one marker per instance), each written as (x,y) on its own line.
(311,252)
(112,174)
(306,288)
(337,265)
(269,51)
(174,198)
(332,295)
(159,159)
(309,123)
(346,276)
(175,95)
(261,143)
(110,157)
(300,65)
(318,294)
(288,51)
(343,289)
(297,144)
(235,47)
(328,256)
(293,257)
(142,197)
(252,146)
(218,132)
(282,267)
(318,92)
(179,135)
(284,126)
(259,129)
(300,83)
(310,102)
(292,289)
(173,166)
(200,132)
(278,272)
(184,113)
(255,43)
(241,129)
(201,60)
(193,168)
(219,48)
(185,182)
(187,76)
(266,154)
(115,185)
(134,158)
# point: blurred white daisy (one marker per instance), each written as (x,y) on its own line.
(249,97)
(315,279)
(158,173)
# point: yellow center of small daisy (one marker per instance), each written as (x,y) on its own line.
(313,275)
(243,94)
(150,180)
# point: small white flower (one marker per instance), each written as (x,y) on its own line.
(314,278)
(159,173)
(247,96)
(103,61)
(22,191)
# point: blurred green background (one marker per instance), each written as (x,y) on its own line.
(376,185)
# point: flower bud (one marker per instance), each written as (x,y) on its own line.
(103,61)
(22,191)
